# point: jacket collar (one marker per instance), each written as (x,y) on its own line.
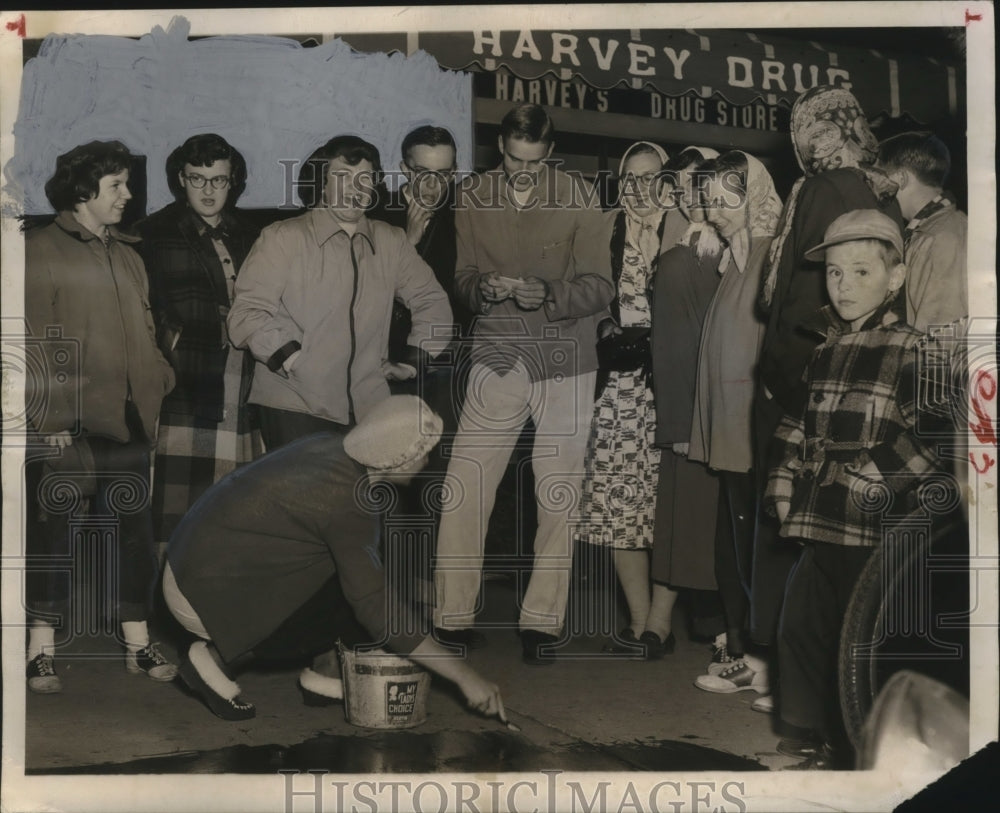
(325,226)
(828,324)
(72,226)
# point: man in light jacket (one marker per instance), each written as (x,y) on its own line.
(313,301)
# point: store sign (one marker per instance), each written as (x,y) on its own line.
(577,95)
(658,58)
(740,67)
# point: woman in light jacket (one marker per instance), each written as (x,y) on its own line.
(743,207)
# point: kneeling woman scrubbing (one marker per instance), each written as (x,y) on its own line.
(281,559)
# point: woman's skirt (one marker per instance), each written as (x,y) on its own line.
(192,453)
(618,500)
(684,538)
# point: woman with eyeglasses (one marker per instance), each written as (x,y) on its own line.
(193,249)
(618,501)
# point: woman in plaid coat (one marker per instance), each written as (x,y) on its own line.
(193,249)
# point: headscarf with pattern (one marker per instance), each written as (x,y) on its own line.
(708,241)
(763,211)
(829,131)
(642,230)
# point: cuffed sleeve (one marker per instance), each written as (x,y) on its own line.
(281,355)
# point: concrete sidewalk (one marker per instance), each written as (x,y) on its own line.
(587,711)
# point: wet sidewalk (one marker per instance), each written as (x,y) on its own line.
(588,711)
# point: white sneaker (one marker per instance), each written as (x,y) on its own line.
(764,704)
(737,677)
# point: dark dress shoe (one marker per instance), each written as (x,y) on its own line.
(656,648)
(464,637)
(825,759)
(800,748)
(625,644)
(233,709)
(536,647)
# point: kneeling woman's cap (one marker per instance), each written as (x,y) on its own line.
(399,430)
(860,224)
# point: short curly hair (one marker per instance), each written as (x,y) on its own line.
(78,172)
(203,150)
(312,177)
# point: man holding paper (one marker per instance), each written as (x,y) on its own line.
(532,264)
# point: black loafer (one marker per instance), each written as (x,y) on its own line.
(232,709)
(826,759)
(536,647)
(625,643)
(654,647)
(803,748)
(464,637)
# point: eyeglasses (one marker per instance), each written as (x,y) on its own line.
(199,181)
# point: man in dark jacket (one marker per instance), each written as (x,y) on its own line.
(424,206)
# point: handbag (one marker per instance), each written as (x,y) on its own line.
(625,351)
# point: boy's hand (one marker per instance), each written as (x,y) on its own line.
(681,449)
(781,508)
(870,470)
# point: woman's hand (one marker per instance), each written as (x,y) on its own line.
(482,696)
(606,328)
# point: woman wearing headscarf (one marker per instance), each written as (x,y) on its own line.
(193,249)
(741,203)
(687,493)
(622,462)
(837,151)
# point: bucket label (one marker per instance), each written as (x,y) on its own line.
(400,699)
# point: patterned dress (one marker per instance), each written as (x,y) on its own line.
(617,506)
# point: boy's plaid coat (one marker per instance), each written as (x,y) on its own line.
(861,407)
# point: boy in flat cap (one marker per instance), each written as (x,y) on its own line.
(835,467)
(281,559)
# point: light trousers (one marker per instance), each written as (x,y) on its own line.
(496,409)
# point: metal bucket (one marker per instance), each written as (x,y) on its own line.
(383,690)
